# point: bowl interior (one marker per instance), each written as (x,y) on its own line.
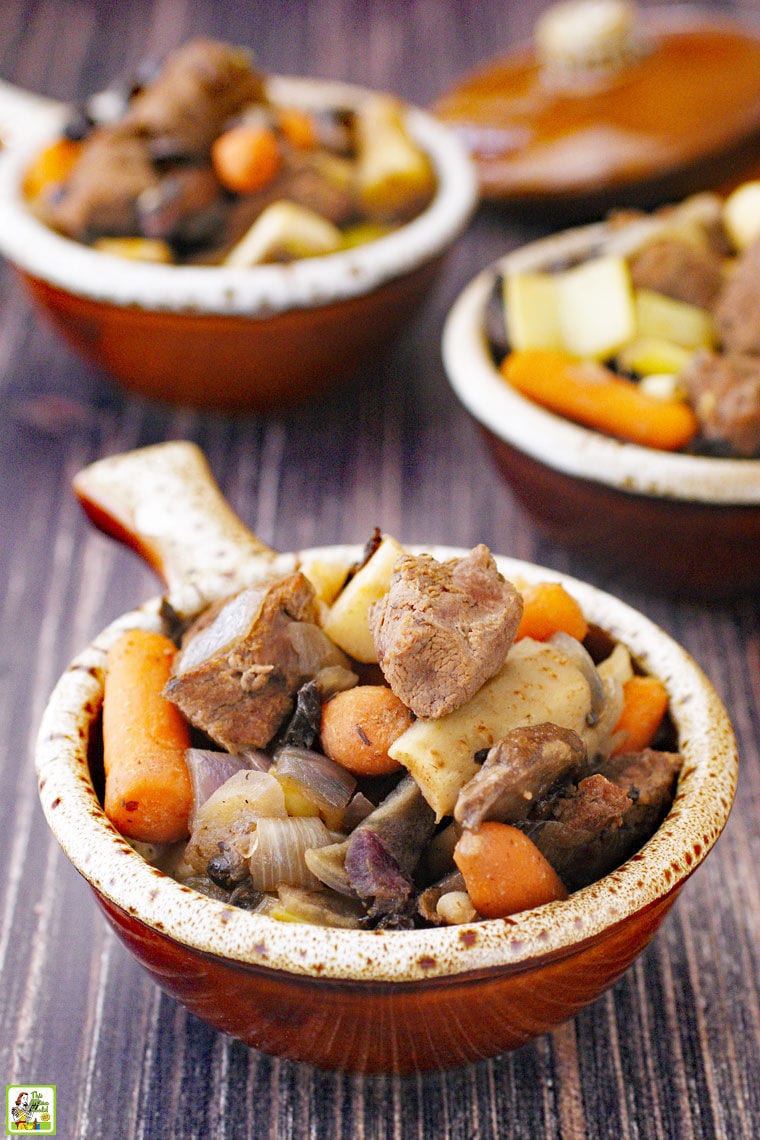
(552,440)
(264,289)
(705,792)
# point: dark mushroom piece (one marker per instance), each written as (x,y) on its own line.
(519,771)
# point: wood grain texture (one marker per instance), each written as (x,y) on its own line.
(673,1050)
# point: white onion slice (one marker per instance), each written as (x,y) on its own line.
(208,770)
(324,782)
(277,851)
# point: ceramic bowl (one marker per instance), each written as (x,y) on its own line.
(672,522)
(373,1001)
(224,338)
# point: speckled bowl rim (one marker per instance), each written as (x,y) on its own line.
(262,290)
(706,790)
(556,442)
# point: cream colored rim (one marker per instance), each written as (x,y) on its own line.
(555,441)
(706,790)
(263,290)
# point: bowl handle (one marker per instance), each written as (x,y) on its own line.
(164,503)
(25,116)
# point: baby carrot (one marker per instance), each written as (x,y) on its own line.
(645,701)
(148,791)
(358,727)
(591,394)
(246,158)
(504,871)
(549,609)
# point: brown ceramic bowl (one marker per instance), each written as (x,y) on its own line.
(259,339)
(673,522)
(381,1001)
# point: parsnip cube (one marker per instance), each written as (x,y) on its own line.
(741,214)
(651,355)
(532,311)
(394,176)
(665,318)
(537,683)
(136,249)
(596,311)
(285,230)
(346,622)
(326,576)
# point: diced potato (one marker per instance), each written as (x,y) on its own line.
(325,576)
(664,318)
(653,355)
(347,623)
(537,683)
(393,174)
(285,230)
(741,214)
(532,311)
(596,311)
(137,249)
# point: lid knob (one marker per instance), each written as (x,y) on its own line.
(587,35)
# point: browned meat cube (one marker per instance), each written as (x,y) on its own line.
(444,628)
(595,826)
(724,391)
(518,772)
(201,86)
(100,197)
(238,671)
(679,269)
(737,309)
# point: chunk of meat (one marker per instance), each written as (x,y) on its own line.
(444,628)
(679,269)
(737,308)
(649,778)
(100,196)
(201,86)
(238,671)
(518,772)
(592,828)
(724,391)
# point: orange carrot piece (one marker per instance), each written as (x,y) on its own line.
(549,609)
(298,127)
(52,165)
(148,790)
(504,871)
(358,727)
(645,702)
(246,158)
(590,394)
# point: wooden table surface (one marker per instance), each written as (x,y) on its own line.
(673,1050)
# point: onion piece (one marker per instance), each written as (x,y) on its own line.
(208,770)
(232,621)
(276,853)
(328,865)
(321,908)
(334,679)
(314,648)
(230,813)
(323,782)
(581,657)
